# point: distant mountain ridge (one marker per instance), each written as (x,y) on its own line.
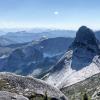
(33,58)
(24,36)
(28,36)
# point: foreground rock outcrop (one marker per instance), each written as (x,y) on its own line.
(4,95)
(28,87)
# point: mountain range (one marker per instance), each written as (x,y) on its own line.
(34,57)
(28,36)
(19,36)
(66,68)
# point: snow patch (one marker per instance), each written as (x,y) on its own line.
(3,56)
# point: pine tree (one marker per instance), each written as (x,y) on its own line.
(85,97)
(46,97)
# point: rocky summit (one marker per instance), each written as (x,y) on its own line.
(85,37)
(78,63)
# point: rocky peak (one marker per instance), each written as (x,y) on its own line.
(79,62)
(85,36)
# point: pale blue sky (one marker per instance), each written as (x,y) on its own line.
(68,14)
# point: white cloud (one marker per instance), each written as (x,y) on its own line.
(56,13)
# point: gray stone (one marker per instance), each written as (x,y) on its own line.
(4,95)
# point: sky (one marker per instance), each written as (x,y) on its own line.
(62,14)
